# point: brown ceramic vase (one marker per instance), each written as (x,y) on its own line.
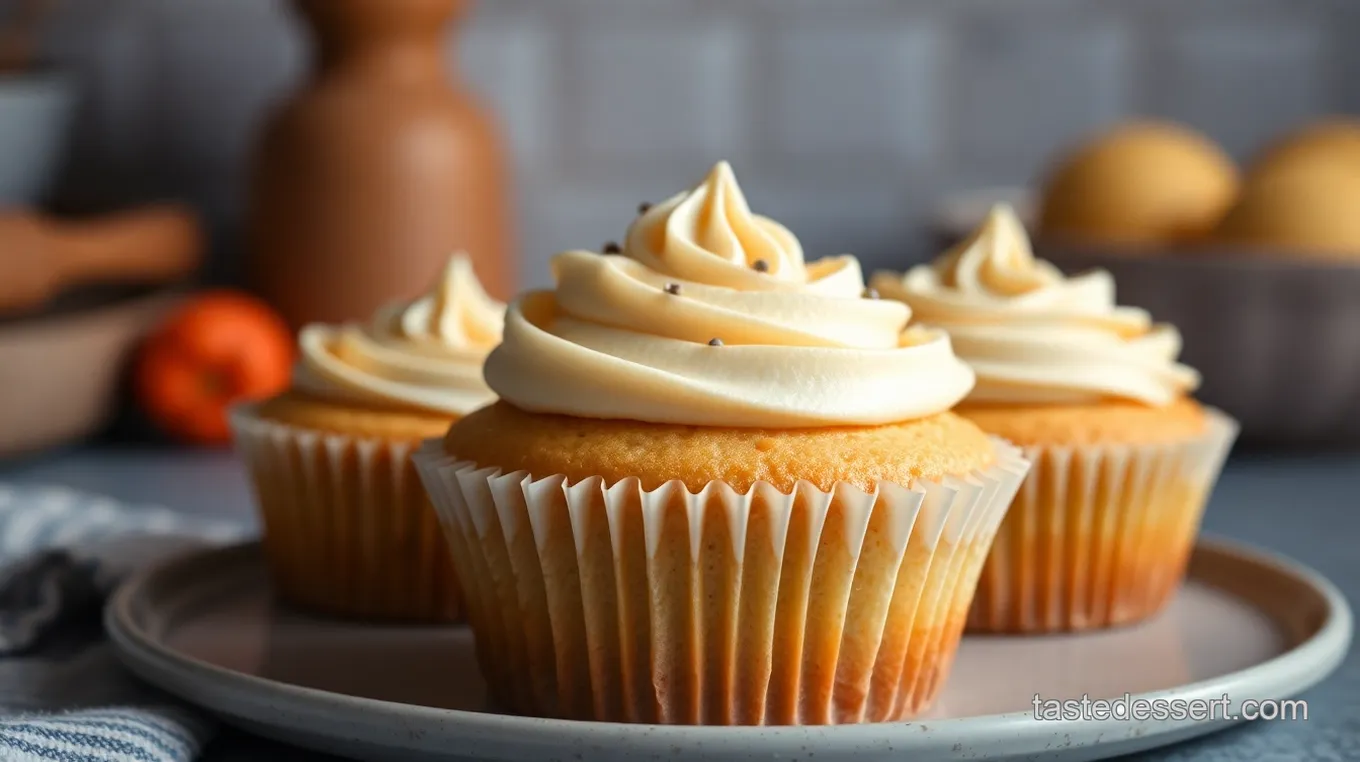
(368,178)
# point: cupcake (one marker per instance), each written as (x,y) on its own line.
(1139,184)
(721,485)
(348,529)
(1304,210)
(1123,458)
(1326,144)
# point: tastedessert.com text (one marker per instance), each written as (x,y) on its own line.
(1129,707)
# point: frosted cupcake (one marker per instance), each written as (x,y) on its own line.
(348,529)
(721,485)
(1123,458)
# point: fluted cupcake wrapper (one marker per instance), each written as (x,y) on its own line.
(1099,535)
(617,603)
(348,528)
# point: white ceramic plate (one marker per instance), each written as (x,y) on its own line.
(1247,624)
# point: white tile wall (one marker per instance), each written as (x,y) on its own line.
(504,60)
(116,83)
(852,91)
(557,221)
(873,223)
(1344,72)
(1247,80)
(844,122)
(1025,87)
(105,51)
(219,68)
(670,90)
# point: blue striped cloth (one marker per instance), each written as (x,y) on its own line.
(63,697)
(144,734)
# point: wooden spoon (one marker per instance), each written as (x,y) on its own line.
(40,256)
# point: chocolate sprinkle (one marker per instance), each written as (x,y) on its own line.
(715,342)
(611,248)
(870,293)
(643,207)
(760,266)
(673,289)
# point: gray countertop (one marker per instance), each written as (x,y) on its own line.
(1307,507)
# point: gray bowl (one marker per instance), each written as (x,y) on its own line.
(1275,335)
(35,112)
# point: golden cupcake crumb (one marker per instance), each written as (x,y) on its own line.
(508,438)
(307,411)
(1101,423)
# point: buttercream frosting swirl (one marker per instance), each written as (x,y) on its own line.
(1034,336)
(710,317)
(424,354)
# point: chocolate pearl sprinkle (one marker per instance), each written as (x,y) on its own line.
(715,342)
(870,293)
(611,248)
(760,266)
(673,289)
(643,207)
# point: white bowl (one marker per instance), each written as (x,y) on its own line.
(35,112)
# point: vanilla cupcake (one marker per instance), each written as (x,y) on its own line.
(1143,184)
(1123,457)
(721,485)
(1324,146)
(348,529)
(1300,206)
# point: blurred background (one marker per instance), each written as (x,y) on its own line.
(183,183)
(851,122)
(846,120)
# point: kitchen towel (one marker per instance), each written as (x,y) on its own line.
(63,697)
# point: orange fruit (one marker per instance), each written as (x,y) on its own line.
(219,348)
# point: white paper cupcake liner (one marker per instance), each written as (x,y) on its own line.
(615,603)
(348,528)
(1099,535)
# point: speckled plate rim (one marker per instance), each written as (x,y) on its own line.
(366,728)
